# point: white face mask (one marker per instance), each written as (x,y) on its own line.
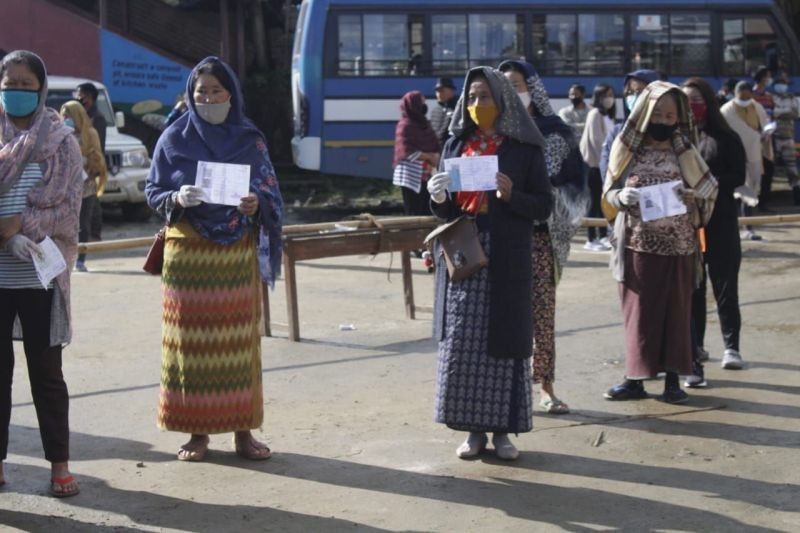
(525,96)
(608,102)
(742,103)
(780,88)
(214,113)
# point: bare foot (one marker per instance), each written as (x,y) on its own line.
(62,484)
(195,450)
(249,448)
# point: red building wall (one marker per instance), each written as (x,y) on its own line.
(69,44)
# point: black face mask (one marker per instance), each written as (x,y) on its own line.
(661,132)
(576,101)
(425,109)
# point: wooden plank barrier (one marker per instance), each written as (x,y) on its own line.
(366,235)
(369,235)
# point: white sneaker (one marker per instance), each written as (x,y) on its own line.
(605,243)
(732,360)
(594,246)
(475,444)
(503,447)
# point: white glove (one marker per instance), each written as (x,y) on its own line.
(438,185)
(190,196)
(628,196)
(23,248)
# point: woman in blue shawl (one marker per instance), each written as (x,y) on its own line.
(215,258)
(551,237)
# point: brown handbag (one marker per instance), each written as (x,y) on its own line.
(154,262)
(462,248)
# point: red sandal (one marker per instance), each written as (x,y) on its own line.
(62,483)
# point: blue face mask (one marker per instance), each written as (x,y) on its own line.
(630,101)
(780,88)
(69,123)
(19,102)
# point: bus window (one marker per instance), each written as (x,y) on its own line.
(601,41)
(378,45)
(449,47)
(748,42)
(385,45)
(554,39)
(650,42)
(493,37)
(691,44)
(350,59)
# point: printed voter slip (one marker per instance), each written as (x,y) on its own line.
(50,263)
(223,183)
(478,173)
(660,201)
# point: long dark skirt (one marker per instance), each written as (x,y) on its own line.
(656,305)
(417,204)
(476,392)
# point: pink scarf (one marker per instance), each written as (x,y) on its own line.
(54,203)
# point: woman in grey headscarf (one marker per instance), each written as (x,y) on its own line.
(484,323)
(551,237)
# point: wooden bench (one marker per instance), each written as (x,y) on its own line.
(367,235)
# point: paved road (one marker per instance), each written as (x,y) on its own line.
(349,417)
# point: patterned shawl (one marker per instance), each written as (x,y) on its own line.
(693,168)
(54,203)
(513,120)
(565,167)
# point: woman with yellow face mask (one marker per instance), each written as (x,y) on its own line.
(484,323)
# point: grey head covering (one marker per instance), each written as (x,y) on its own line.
(513,120)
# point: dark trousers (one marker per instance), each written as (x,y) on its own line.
(90,222)
(596,190)
(766,183)
(417,204)
(50,396)
(722,267)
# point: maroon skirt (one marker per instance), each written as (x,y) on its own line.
(656,306)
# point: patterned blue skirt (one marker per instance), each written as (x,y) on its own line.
(476,392)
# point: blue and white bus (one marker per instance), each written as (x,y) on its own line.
(354,59)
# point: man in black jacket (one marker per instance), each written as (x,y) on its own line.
(442,112)
(87,93)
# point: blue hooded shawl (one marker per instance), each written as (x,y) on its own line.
(237,140)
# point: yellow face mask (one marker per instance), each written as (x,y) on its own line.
(483,115)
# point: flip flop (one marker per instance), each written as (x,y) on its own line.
(251,452)
(193,456)
(62,482)
(554,406)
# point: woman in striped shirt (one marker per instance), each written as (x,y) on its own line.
(40,195)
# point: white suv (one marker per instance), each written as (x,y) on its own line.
(126,156)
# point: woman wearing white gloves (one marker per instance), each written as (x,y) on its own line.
(484,323)
(215,258)
(656,260)
(40,196)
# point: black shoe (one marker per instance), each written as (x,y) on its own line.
(697,380)
(629,390)
(674,395)
(796,194)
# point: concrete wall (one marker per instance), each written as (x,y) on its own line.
(69,44)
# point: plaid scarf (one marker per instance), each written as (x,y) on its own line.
(693,168)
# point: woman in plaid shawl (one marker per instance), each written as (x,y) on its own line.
(655,260)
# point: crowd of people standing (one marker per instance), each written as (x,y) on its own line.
(495,328)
